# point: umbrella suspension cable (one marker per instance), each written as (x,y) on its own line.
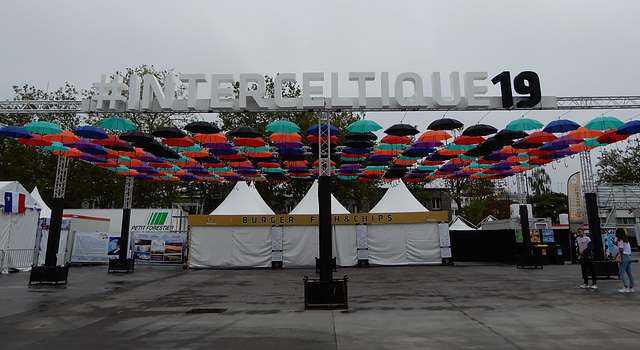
(486,114)
(405,114)
(565,113)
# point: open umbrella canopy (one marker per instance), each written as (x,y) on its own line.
(524,124)
(245,131)
(117,123)
(434,135)
(611,136)
(315,130)
(629,128)
(540,137)
(584,133)
(185,141)
(15,132)
(137,137)
(363,126)
(282,126)
(506,134)
(479,130)
(394,139)
(604,123)
(43,128)
(202,127)
(91,132)
(168,132)
(445,124)
(36,140)
(63,137)
(468,140)
(401,130)
(110,140)
(361,136)
(249,141)
(561,125)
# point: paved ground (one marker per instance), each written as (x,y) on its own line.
(466,306)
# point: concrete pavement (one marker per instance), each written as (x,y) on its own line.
(466,306)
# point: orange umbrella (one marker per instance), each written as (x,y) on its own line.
(241,163)
(180,142)
(390,152)
(511,150)
(264,154)
(579,147)
(434,135)
(72,152)
(584,133)
(192,154)
(451,152)
(129,172)
(108,164)
(186,163)
(137,152)
(131,162)
(468,140)
(404,162)
(65,137)
(515,159)
(249,141)
(317,163)
(210,138)
(283,137)
(540,137)
(295,162)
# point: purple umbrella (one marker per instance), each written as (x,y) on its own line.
(566,141)
(296,144)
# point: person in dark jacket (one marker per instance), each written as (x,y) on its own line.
(585,255)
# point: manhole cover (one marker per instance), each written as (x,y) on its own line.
(206,311)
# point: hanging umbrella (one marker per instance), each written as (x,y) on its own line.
(359,144)
(137,137)
(245,131)
(468,140)
(178,142)
(611,136)
(434,135)
(210,138)
(523,124)
(479,130)
(361,136)
(561,125)
(540,137)
(56,146)
(202,127)
(63,137)
(395,139)
(15,132)
(316,139)
(427,143)
(282,126)
(283,137)
(506,134)
(43,128)
(91,132)
(363,126)
(604,123)
(288,144)
(566,140)
(522,144)
(117,123)
(316,129)
(169,132)
(110,140)
(249,141)
(401,130)
(584,133)
(629,128)
(445,124)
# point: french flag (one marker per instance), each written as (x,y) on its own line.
(14,202)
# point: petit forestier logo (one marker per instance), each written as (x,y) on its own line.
(156,221)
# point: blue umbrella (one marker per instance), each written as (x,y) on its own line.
(91,132)
(632,127)
(561,125)
(15,132)
(314,129)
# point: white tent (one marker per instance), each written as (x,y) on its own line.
(234,246)
(45,211)
(460,224)
(300,244)
(17,230)
(402,244)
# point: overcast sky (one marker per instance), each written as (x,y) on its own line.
(578,48)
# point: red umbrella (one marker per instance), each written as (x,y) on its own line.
(434,135)
(611,136)
(111,140)
(179,142)
(210,138)
(540,137)
(249,141)
(284,137)
(36,140)
(468,140)
(64,137)
(584,133)
(316,139)
(395,139)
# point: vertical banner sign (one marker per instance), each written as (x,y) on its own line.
(445,240)
(276,243)
(361,242)
(574,192)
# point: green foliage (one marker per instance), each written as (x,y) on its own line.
(617,166)
(479,208)
(539,181)
(549,205)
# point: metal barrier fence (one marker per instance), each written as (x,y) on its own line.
(15,259)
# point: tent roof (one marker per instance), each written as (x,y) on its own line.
(243,199)
(459,224)
(46,211)
(398,199)
(15,186)
(309,204)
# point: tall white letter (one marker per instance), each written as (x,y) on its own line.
(246,91)
(336,101)
(151,87)
(280,100)
(418,97)
(308,90)
(362,78)
(192,90)
(470,90)
(436,87)
(217,91)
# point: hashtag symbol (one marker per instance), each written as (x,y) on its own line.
(109,95)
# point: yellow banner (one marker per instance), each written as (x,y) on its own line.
(574,193)
(311,220)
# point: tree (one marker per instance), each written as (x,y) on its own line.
(617,166)
(539,181)
(549,204)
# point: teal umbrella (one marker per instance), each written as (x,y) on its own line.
(524,124)
(604,123)
(593,143)
(363,126)
(56,146)
(117,123)
(283,126)
(43,128)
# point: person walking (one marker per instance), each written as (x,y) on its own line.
(585,255)
(624,268)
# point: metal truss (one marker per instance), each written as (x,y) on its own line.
(61,177)
(619,196)
(563,103)
(128,192)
